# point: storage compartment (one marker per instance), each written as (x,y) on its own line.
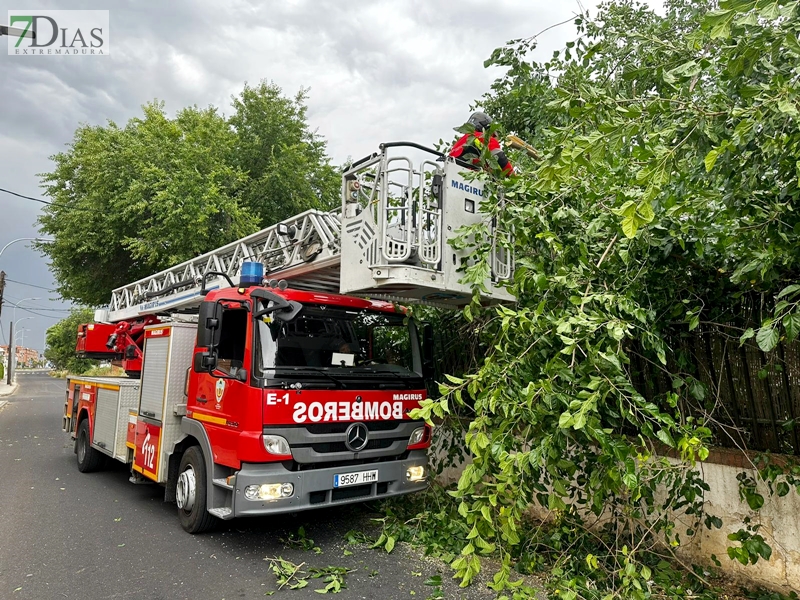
(105,418)
(114,398)
(168,352)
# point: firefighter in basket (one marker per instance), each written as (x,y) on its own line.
(470,146)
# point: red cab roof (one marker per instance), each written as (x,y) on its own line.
(307,297)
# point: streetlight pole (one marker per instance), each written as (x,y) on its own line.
(20,302)
(21,336)
(22,331)
(11,357)
(22,343)
(35,239)
(14,355)
(6,30)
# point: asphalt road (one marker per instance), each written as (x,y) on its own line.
(65,534)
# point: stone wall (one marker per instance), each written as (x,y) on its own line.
(779,519)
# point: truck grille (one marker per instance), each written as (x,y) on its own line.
(340,447)
(316,443)
(322,428)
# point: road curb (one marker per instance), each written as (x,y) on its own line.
(8,391)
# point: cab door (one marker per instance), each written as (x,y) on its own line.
(221,400)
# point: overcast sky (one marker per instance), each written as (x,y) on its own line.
(377,71)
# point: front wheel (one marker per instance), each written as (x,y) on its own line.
(190,493)
(89,459)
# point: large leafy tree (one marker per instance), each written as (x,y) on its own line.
(667,197)
(130,201)
(288,170)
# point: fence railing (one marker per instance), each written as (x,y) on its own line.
(752,399)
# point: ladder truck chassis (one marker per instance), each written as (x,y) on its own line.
(253,398)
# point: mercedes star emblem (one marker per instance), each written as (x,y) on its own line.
(356,436)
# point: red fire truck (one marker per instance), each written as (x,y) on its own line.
(249,398)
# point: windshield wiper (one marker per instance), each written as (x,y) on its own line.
(335,380)
(406,380)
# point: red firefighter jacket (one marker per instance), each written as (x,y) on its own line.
(468,148)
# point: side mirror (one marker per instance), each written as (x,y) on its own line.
(208,325)
(282,309)
(205,362)
(287,315)
(428,365)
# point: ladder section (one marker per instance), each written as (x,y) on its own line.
(389,240)
(304,248)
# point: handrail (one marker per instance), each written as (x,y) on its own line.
(385,145)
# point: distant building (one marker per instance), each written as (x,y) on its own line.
(26,357)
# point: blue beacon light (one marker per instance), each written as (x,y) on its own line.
(252,274)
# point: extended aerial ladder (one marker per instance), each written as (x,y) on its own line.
(388,240)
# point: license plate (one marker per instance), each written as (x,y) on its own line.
(345,479)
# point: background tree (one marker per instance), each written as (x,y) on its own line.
(130,201)
(288,170)
(61,339)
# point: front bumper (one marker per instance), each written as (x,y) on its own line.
(314,488)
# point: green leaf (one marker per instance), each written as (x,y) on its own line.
(626,210)
(645,211)
(791,42)
(721,31)
(791,323)
(630,226)
(767,338)
(749,18)
(697,389)
(580,421)
(791,289)
(565,420)
(787,107)
(715,17)
(770,10)
(665,437)
(487,513)
(711,159)
(754,500)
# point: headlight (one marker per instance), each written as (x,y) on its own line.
(415,473)
(275,444)
(416,436)
(269,491)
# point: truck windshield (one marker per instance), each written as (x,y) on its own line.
(337,339)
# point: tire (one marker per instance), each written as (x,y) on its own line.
(89,459)
(190,493)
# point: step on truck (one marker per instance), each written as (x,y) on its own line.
(247,395)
